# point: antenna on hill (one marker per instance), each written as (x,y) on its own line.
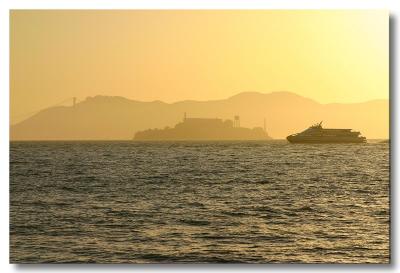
(73,101)
(265,126)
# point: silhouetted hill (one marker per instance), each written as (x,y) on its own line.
(118,118)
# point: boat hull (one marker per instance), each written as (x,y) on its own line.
(325,139)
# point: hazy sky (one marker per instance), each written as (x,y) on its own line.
(330,56)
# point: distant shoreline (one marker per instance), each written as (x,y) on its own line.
(375,140)
(131,140)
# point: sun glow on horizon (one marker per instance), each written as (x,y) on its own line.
(328,56)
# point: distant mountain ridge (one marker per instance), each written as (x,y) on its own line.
(119,118)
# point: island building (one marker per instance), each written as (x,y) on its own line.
(205,129)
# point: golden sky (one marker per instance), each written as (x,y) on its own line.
(329,56)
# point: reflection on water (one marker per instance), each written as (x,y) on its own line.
(127,202)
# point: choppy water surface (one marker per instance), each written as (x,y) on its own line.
(127,202)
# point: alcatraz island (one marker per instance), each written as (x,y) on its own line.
(204,129)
